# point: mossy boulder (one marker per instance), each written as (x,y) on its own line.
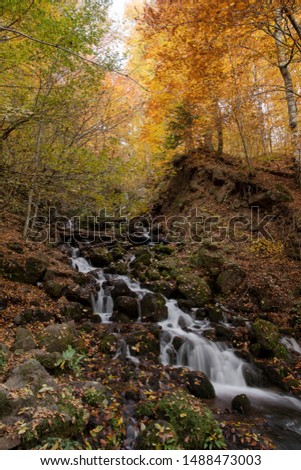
(54,289)
(207,260)
(23,340)
(47,359)
(75,311)
(158,435)
(142,260)
(35,268)
(100,257)
(153,308)
(190,418)
(30,272)
(29,374)
(119,288)
(199,385)
(191,287)
(242,404)
(267,340)
(229,279)
(57,337)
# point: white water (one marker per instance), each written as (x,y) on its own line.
(291,344)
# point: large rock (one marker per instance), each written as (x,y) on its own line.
(267,340)
(57,337)
(30,272)
(199,385)
(229,279)
(35,268)
(23,340)
(119,288)
(75,311)
(32,315)
(29,374)
(153,308)
(191,287)
(100,257)
(242,404)
(54,289)
(125,309)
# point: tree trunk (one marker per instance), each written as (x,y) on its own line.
(283,64)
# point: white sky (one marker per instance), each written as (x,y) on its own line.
(117,8)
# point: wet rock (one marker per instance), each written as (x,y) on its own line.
(119,288)
(153,308)
(57,337)
(199,385)
(23,340)
(242,404)
(29,374)
(215,314)
(185,305)
(275,375)
(125,309)
(229,279)
(83,295)
(223,332)
(177,342)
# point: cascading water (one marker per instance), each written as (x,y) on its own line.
(219,362)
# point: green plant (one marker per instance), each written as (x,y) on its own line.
(93,397)
(70,359)
(215,441)
(56,443)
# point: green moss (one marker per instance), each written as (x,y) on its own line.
(190,420)
(3,361)
(194,288)
(268,338)
(93,397)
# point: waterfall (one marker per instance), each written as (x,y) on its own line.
(217,360)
